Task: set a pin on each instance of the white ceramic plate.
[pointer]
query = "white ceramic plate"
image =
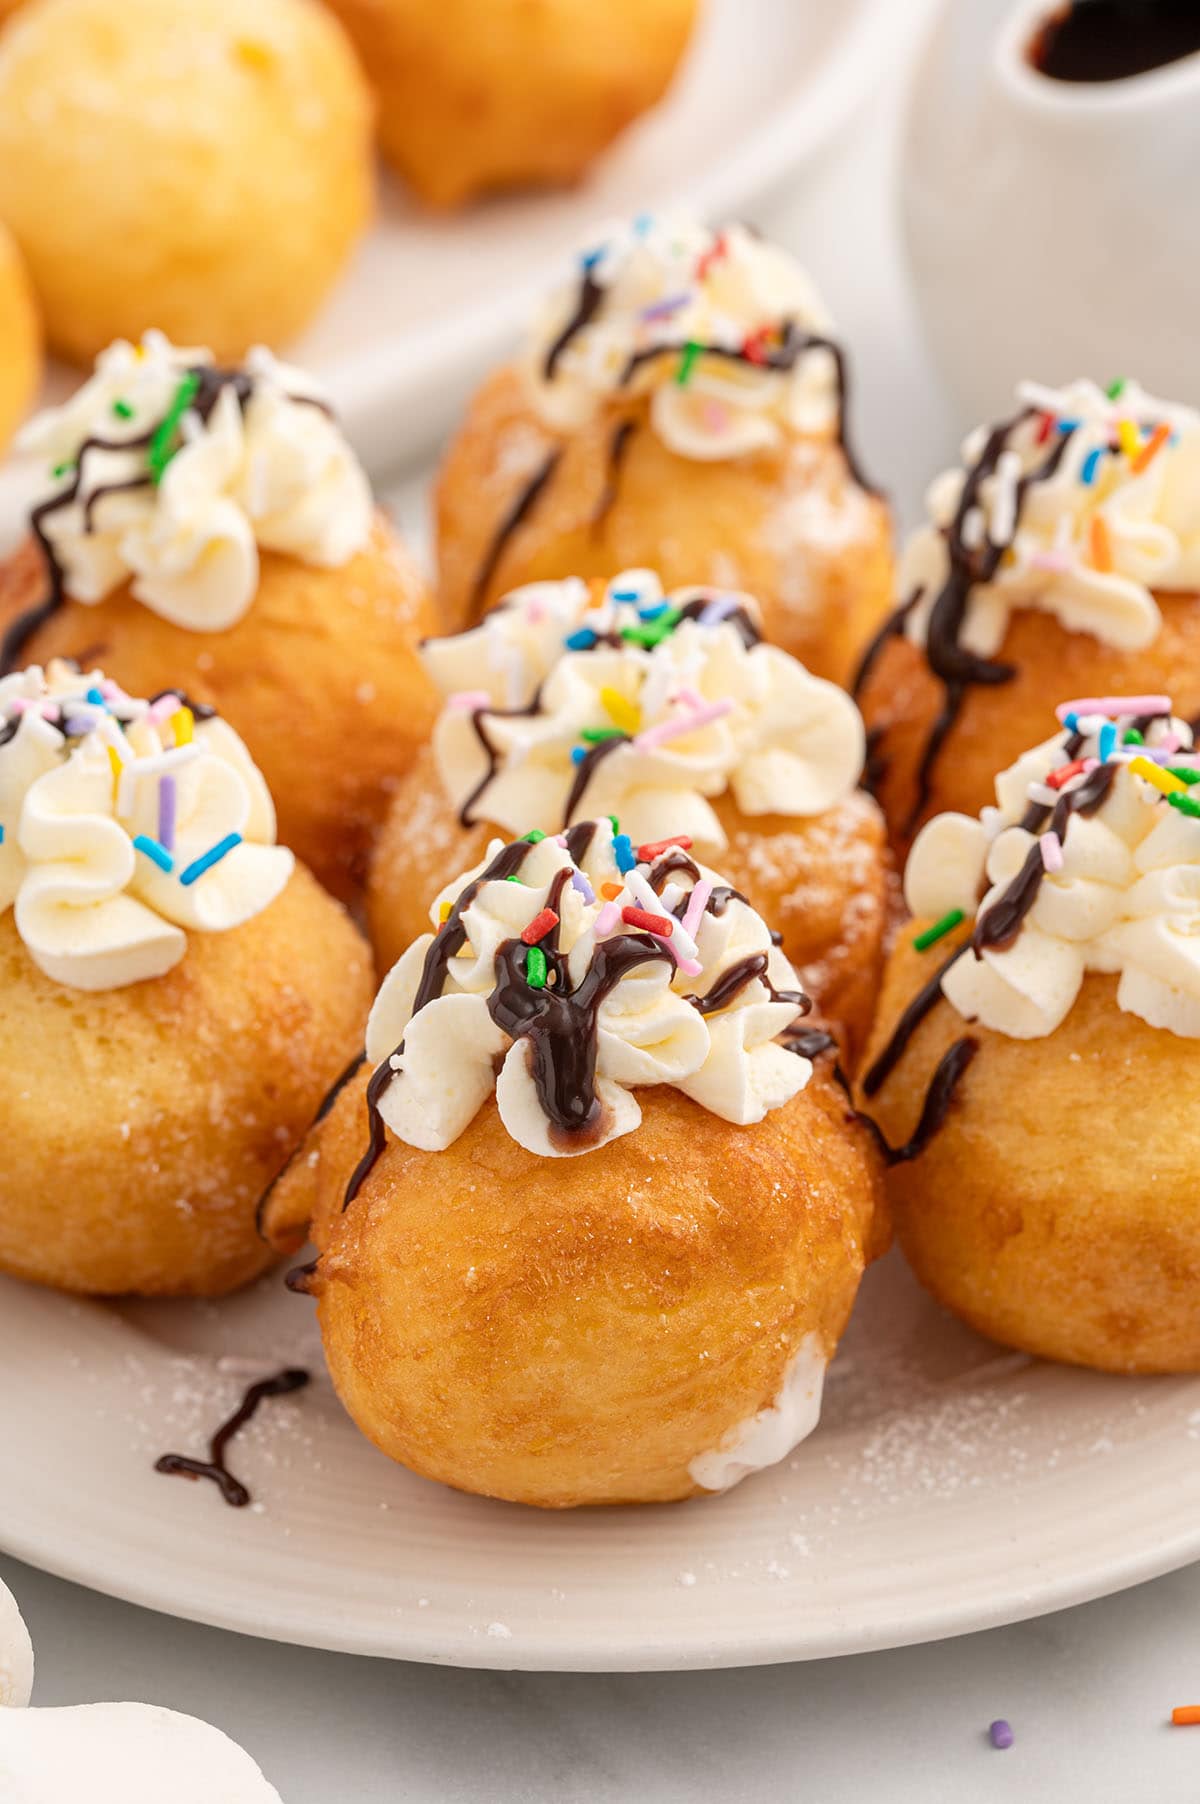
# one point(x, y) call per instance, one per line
point(950, 1487)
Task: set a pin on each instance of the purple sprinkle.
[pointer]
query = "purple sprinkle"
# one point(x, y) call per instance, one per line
point(718, 610)
point(166, 812)
point(1001, 1733)
point(79, 725)
point(581, 883)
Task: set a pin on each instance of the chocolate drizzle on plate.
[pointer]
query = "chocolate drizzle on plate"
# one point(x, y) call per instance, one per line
point(180, 1465)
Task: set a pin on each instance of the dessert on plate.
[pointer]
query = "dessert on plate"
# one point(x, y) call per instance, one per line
point(20, 338)
point(669, 712)
point(178, 992)
point(203, 168)
point(597, 1229)
point(109, 1753)
point(475, 97)
point(1063, 557)
point(212, 527)
point(1048, 988)
point(681, 404)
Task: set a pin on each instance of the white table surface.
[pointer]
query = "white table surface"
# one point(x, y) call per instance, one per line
point(1088, 1691)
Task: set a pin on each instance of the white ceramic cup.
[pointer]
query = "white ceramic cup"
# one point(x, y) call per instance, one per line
point(1050, 224)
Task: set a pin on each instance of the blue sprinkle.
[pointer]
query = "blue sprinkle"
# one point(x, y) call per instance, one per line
point(577, 754)
point(154, 852)
point(1087, 474)
point(642, 223)
point(1071, 722)
point(1065, 426)
point(581, 640)
point(624, 595)
point(94, 695)
point(590, 259)
point(652, 613)
point(1108, 741)
point(624, 853)
point(207, 859)
point(1, 834)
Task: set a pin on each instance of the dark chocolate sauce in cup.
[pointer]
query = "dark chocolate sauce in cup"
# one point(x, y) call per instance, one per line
point(1110, 40)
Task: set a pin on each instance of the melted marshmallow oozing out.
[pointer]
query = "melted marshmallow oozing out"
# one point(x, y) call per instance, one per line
point(448, 1057)
point(1116, 520)
point(663, 284)
point(704, 711)
point(1118, 891)
point(262, 466)
point(125, 825)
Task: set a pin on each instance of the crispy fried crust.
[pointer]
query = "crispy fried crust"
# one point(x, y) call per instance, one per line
point(475, 96)
point(824, 883)
point(320, 677)
point(139, 1126)
point(20, 339)
point(203, 168)
point(560, 1333)
point(792, 528)
point(901, 701)
point(1056, 1209)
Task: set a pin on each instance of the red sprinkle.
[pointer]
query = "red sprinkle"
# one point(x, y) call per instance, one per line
point(710, 256)
point(1064, 773)
point(1045, 428)
point(754, 346)
point(656, 847)
point(540, 926)
point(661, 925)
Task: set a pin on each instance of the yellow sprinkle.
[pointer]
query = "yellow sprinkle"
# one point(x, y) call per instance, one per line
point(1129, 438)
point(254, 55)
point(621, 711)
point(445, 909)
point(114, 758)
point(1162, 780)
point(182, 723)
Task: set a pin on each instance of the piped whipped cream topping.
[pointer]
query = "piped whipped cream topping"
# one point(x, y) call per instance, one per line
point(1086, 503)
point(124, 824)
point(766, 1438)
point(642, 706)
point(123, 1754)
point(567, 973)
point(1090, 861)
point(713, 326)
point(173, 473)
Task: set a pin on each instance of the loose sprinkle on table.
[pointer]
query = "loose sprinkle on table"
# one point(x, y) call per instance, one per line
point(1000, 1733)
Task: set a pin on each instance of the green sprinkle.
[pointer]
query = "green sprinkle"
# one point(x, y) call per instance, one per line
point(62, 469)
point(595, 735)
point(534, 836)
point(1132, 737)
point(616, 825)
point(1185, 804)
point(652, 632)
point(687, 362)
point(512, 880)
point(123, 410)
point(1114, 388)
point(160, 452)
point(941, 928)
point(535, 968)
point(1183, 773)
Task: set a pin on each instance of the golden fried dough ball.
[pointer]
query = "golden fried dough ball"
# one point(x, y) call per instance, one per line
point(1053, 1210)
point(824, 881)
point(20, 338)
point(320, 677)
point(479, 95)
point(901, 701)
point(204, 168)
point(561, 1333)
point(141, 1125)
point(790, 526)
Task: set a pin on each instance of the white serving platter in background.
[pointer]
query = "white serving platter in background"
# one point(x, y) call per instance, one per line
point(951, 1486)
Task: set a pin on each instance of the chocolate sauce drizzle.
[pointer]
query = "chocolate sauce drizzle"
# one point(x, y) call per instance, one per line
point(180, 1465)
point(516, 516)
point(586, 769)
point(730, 984)
point(479, 719)
point(921, 1005)
point(210, 381)
point(936, 1106)
point(331, 1095)
point(618, 445)
point(999, 925)
point(956, 668)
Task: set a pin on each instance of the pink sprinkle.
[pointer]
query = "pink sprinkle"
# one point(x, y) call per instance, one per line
point(1050, 560)
point(163, 708)
point(691, 967)
point(534, 610)
point(1052, 852)
point(697, 903)
point(691, 698)
point(27, 704)
point(716, 417)
point(681, 724)
point(607, 921)
point(466, 701)
point(1170, 742)
point(1115, 705)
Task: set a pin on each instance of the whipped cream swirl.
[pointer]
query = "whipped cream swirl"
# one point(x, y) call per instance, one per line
point(172, 473)
point(714, 326)
point(1093, 500)
point(123, 824)
point(1090, 861)
point(564, 980)
point(643, 706)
